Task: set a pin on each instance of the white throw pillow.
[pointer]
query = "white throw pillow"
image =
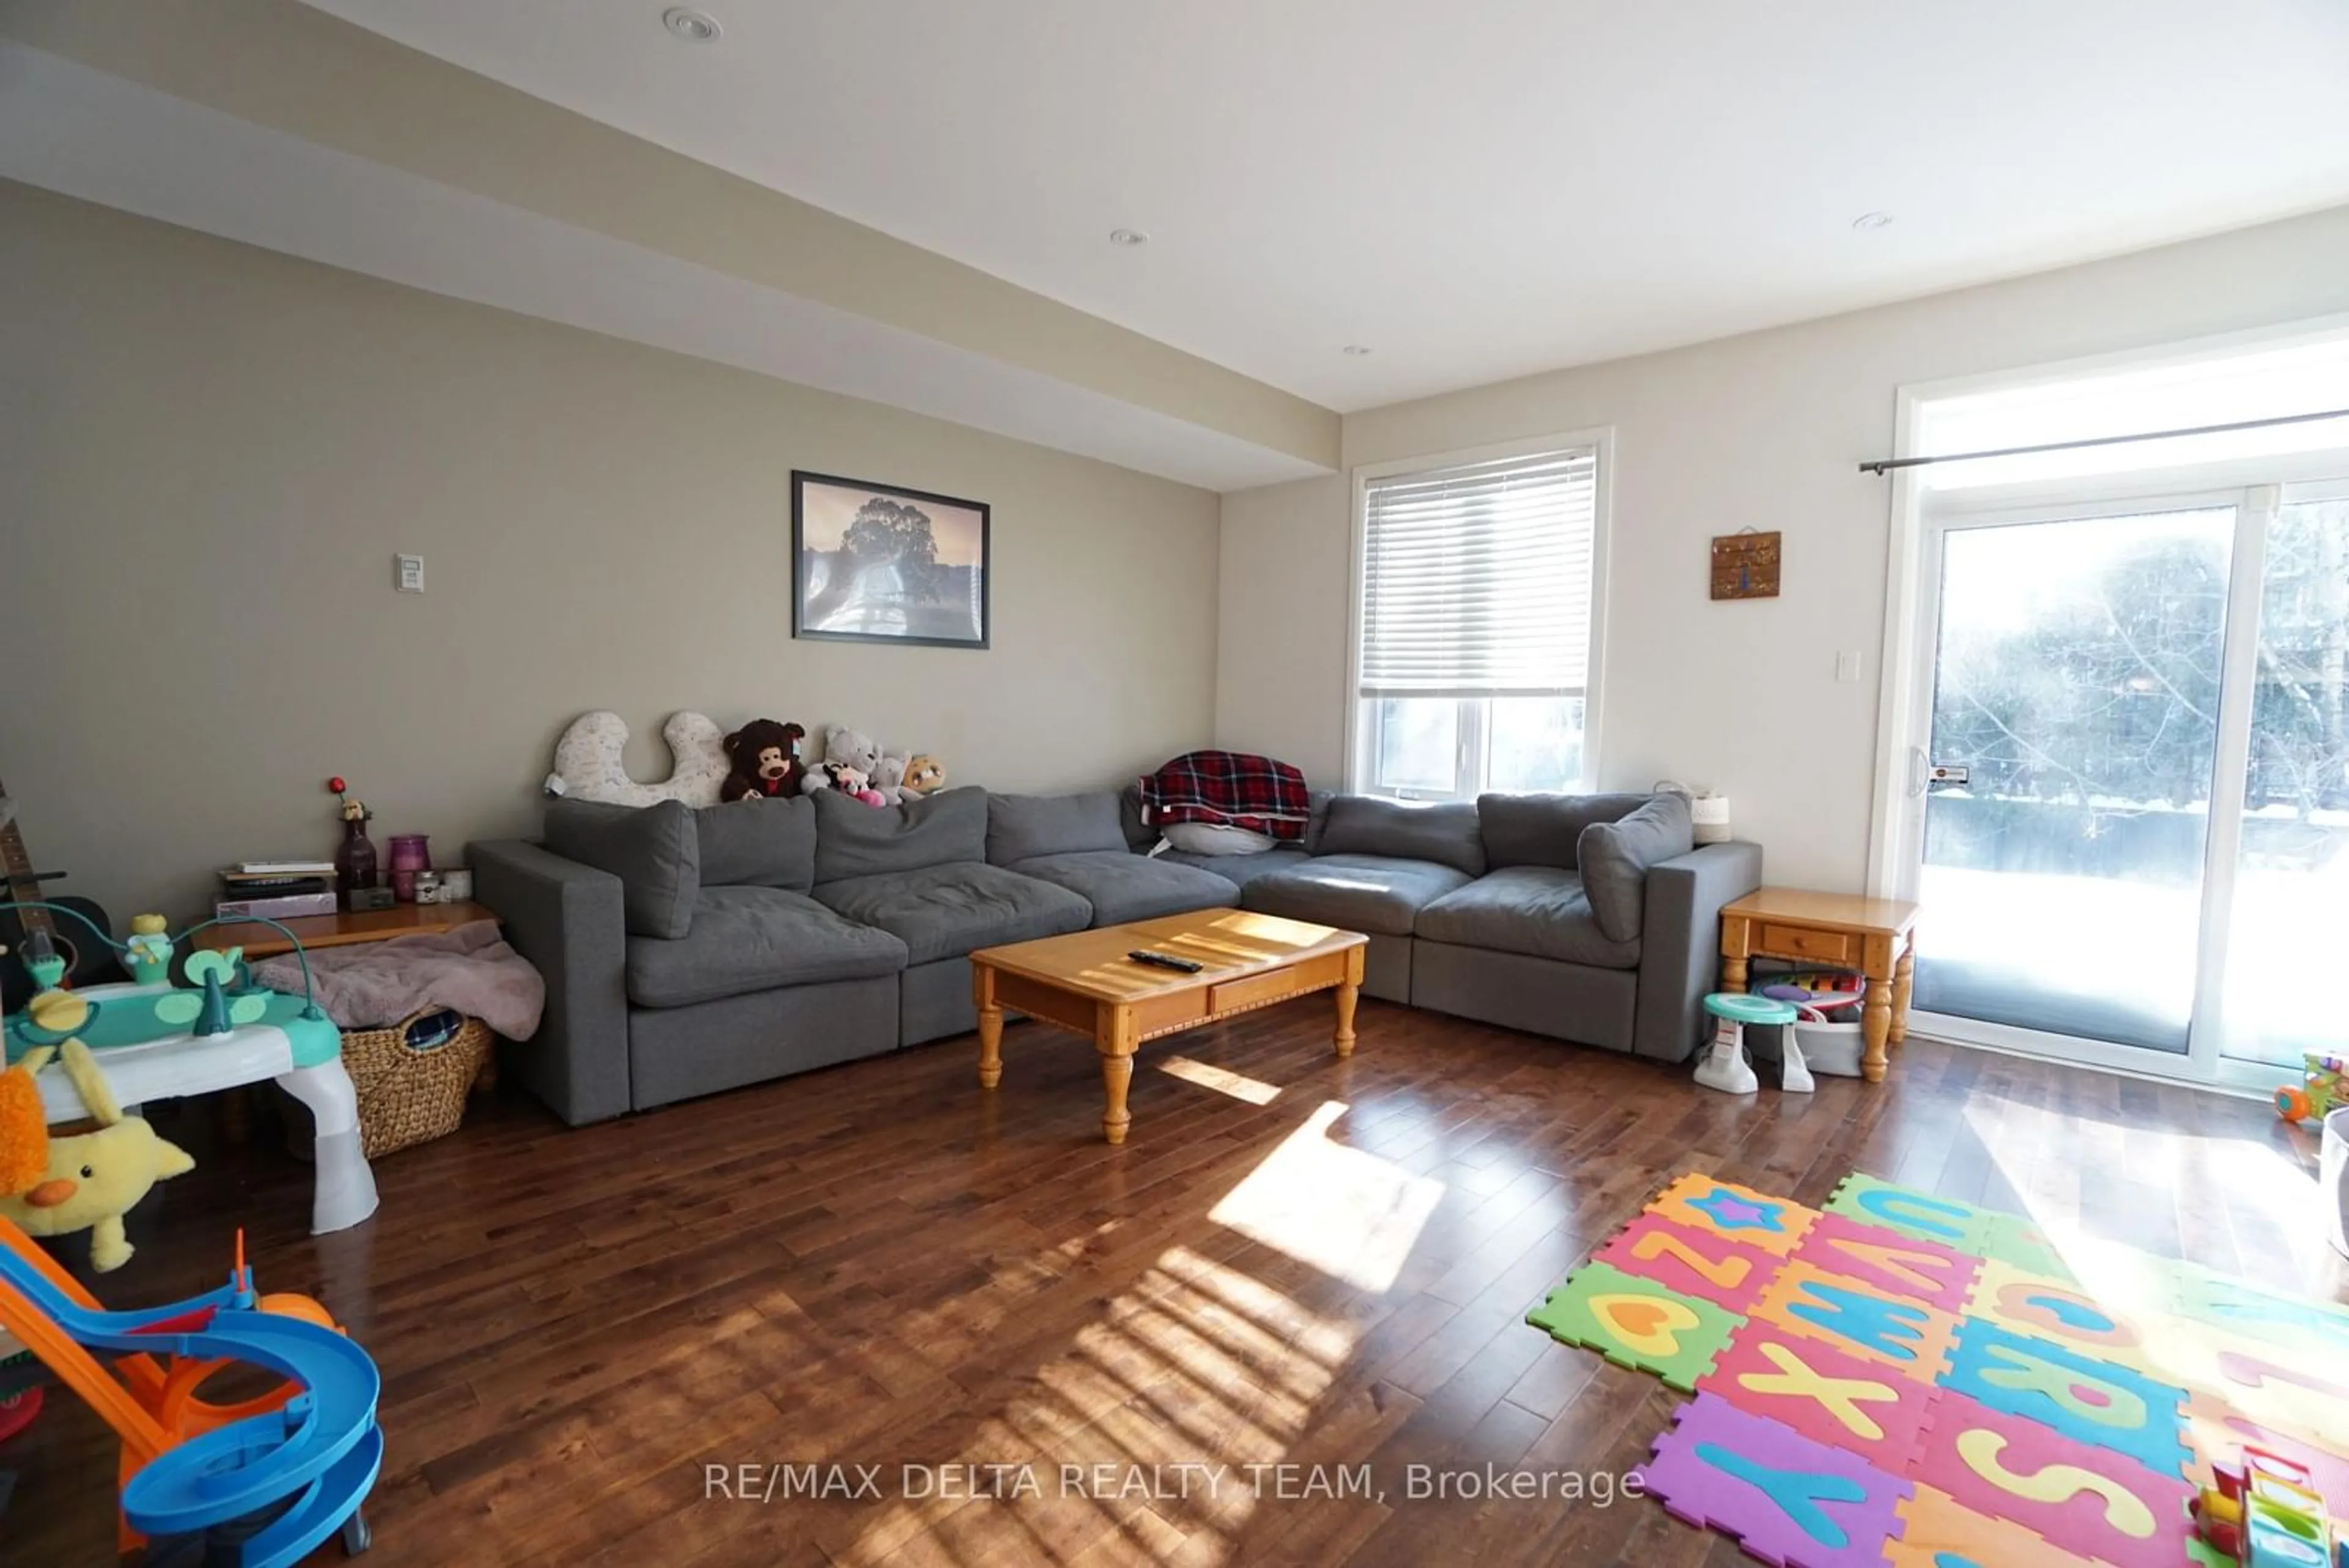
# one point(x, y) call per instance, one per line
point(1214, 838)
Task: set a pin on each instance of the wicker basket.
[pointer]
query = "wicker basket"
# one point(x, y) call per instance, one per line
point(410, 1095)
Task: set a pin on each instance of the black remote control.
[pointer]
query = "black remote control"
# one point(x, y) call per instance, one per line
point(1164, 960)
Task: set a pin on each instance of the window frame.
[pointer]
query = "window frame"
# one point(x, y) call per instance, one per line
point(1362, 737)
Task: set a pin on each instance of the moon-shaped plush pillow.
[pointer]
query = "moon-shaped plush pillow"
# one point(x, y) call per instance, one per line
point(588, 764)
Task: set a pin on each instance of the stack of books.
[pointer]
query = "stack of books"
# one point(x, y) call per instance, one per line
point(276, 890)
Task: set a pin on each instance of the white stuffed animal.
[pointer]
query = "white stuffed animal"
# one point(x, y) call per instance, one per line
point(885, 772)
point(588, 762)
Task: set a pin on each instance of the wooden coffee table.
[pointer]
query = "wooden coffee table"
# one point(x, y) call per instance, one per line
point(1084, 982)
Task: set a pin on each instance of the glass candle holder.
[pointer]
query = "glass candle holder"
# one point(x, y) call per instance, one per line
point(410, 853)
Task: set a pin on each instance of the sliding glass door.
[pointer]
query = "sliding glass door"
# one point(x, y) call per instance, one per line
point(2290, 896)
point(2131, 830)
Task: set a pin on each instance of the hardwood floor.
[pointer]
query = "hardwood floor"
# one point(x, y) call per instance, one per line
point(878, 1265)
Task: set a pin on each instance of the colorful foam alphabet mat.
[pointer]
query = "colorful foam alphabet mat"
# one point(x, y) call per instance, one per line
point(1902, 1379)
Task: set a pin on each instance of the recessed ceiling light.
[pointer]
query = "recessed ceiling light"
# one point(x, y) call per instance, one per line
point(1128, 237)
point(1356, 350)
point(694, 26)
point(1867, 221)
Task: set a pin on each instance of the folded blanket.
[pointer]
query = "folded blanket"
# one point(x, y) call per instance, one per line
point(470, 969)
point(1230, 789)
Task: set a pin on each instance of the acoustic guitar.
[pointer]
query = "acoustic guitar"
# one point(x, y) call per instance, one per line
point(87, 960)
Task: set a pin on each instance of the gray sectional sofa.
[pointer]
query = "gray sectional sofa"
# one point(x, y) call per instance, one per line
point(690, 951)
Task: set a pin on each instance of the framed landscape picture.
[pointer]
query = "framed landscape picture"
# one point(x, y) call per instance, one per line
point(873, 562)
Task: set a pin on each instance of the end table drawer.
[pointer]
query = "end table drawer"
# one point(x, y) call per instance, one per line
point(1802, 942)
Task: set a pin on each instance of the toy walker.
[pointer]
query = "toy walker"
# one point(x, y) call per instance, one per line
point(158, 1041)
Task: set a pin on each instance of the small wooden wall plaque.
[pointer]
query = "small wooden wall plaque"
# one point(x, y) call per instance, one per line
point(1746, 566)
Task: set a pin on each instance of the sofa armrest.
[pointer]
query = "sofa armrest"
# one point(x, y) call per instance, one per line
point(1680, 943)
point(565, 919)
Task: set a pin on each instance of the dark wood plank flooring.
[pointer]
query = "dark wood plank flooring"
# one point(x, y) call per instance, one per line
point(879, 1265)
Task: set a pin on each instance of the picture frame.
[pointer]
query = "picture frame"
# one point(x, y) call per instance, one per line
point(1745, 564)
point(883, 563)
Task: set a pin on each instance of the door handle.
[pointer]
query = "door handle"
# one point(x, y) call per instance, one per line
point(1920, 771)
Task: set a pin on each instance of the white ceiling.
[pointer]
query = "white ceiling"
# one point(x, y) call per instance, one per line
point(1476, 189)
point(98, 137)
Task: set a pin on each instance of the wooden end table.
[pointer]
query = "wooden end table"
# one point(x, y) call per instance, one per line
point(1084, 983)
point(1877, 937)
point(340, 930)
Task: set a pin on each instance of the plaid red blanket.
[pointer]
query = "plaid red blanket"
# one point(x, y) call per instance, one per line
point(1228, 788)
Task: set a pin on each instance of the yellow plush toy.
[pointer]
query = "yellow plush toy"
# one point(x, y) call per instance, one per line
point(924, 773)
point(92, 1179)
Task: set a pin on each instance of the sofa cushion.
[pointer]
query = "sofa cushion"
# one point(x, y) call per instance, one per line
point(1537, 910)
point(1238, 869)
point(945, 911)
point(1543, 829)
point(1615, 858)
point(652, 849)
point(755, 939)
point(853, 839)
point(1375, 894)
point(1445, 833)
point(1023, 827)
point(758, 842)
point(1122, 886)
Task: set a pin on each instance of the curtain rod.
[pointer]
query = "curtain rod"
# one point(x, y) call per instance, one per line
point(1886, 465)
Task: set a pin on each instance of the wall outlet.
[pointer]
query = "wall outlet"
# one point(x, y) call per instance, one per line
point(409, 578)
point(1847, 665)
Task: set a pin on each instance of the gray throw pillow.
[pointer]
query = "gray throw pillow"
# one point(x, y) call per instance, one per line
point(652, 849)
point(1544, 829)
point(1443, 832)
point(853, 839)
point(1615, 858)
point(1022, 827)
point(759, 841)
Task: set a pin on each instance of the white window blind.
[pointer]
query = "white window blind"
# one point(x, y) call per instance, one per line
point(1476, 580)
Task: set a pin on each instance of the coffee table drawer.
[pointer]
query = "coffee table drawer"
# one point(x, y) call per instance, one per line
point(1252, 991)
point(1802, 942)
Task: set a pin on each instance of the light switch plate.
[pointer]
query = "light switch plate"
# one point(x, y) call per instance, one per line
point(410, 575)
point(1847, 664)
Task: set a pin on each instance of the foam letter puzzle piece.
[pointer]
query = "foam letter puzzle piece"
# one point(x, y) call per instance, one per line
point(1910, 1338)
point(1788, 1500)
point(1892, 1263)
point(2047, 1309)
point(2217, 1430)
point(2273, 1383)
point(1693, 1263)
point(1734, 1213)
point(2242, 1309)
point(1873, 1201)
point(2090, 1501)
point(2088, 1400)
point(2012, 1238)
point(1819, 1391)
point(1637, 1322)
point(1936, 1531)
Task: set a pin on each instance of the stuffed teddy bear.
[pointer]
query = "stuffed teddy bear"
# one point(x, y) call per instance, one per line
point(765, 757)
point(90, 1180)
point(924, 773)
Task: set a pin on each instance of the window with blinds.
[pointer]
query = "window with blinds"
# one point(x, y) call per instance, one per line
point(1475, 623)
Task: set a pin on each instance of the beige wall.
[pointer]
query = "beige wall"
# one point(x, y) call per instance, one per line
point(1759, 431)
point(1282, 693)
point(209, 455)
